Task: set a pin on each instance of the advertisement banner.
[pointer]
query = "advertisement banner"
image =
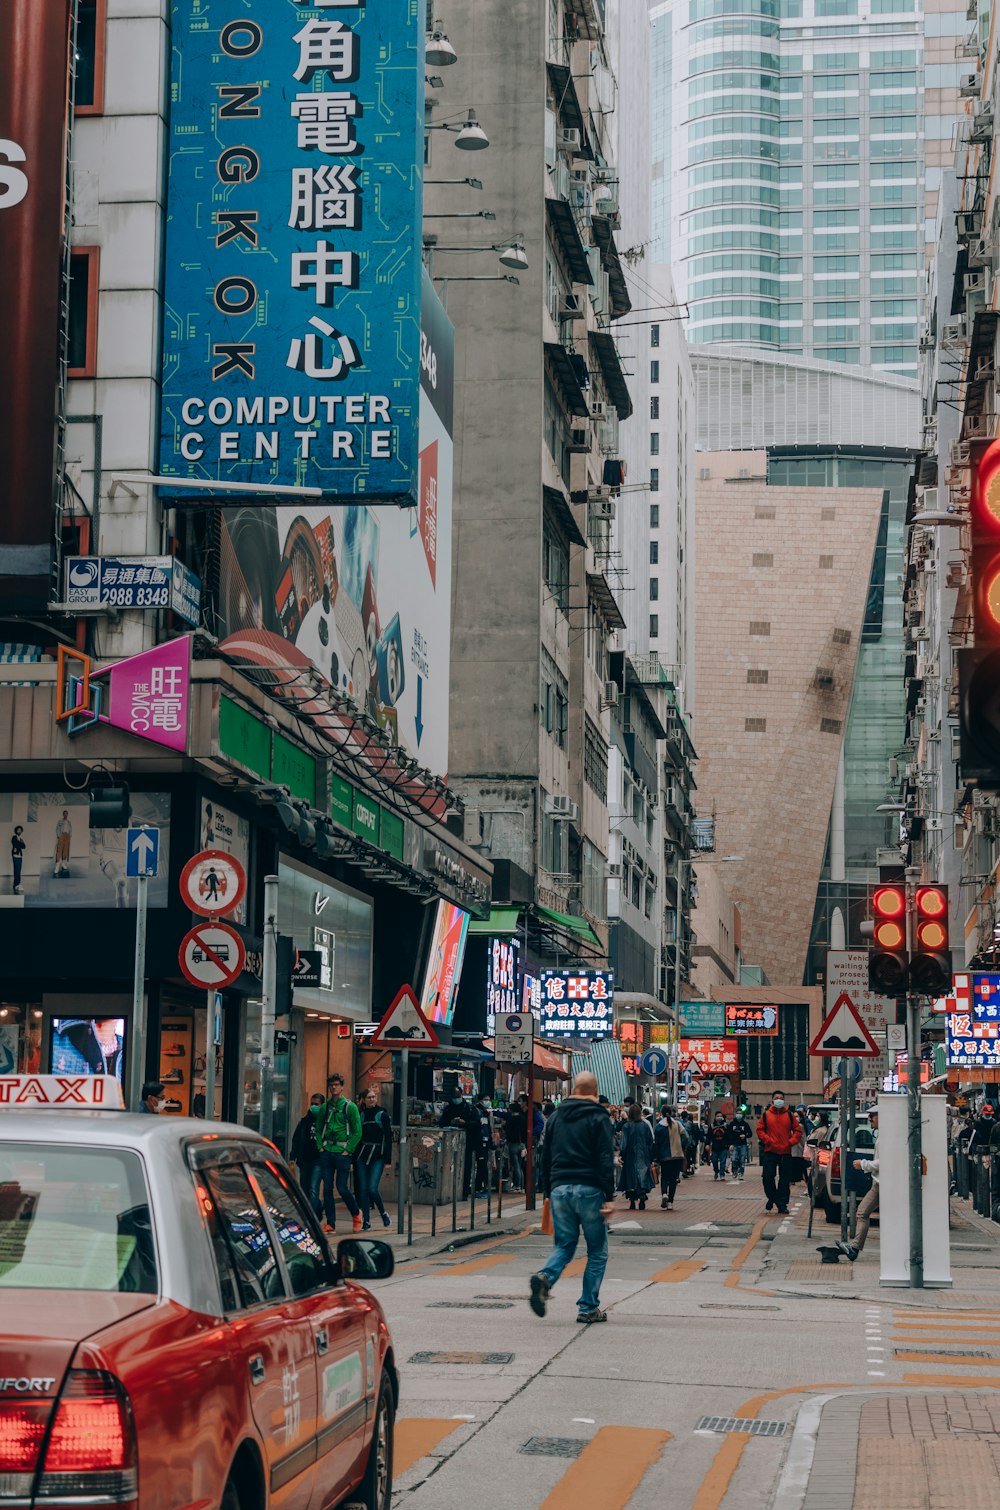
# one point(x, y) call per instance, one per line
point(501, 980)
point(970, 1041)
point(291, 339)
point(147, 695)
point(133, 582)
point(34, 108)
point(60, 861)
point(746, 1021)
point(364, 596)
point(701, 1017)
point(444, 963)
point(710, 1056)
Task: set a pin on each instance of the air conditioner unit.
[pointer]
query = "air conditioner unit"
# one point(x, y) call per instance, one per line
point(614, 872)
point(956, 574)
point(982, 124)
point(605, 508)
point(975, 426)
point(979, 253)
point(563, 807)
point(579, 438)
point(580, 176)
point(968, 86)
point(928, 500)
point(969, 223)
point(959, 453)
point(569, 140)
point(984, 368)
point(974, 283)
point(935, 825)
point(610, 694)
point(953, 332)
point(598, 409)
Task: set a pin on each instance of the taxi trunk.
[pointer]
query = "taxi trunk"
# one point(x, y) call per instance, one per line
point(66, 1432)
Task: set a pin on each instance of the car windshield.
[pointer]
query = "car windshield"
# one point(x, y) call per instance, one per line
point(74, 1219)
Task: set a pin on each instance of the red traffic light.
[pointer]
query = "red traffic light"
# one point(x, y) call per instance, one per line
point(986, 492)
point(889, 902)
point(932, 902)
point(889, 934)
point(932, 935)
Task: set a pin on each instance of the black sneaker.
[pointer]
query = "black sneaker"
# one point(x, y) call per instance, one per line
point(769, 1206)
point(589, 1317)
point(848, 1249)
point(782, 1210)
point(539, 1293)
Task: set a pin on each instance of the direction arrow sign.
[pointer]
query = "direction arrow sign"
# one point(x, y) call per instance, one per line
point(403, 1024)
point(212, 955)
point(142, 851)
point(213, 883)
point(307, 967)
point(843, 1033)
point(654, 1062)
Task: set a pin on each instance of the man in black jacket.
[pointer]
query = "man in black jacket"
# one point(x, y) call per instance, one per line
point(578, 1176)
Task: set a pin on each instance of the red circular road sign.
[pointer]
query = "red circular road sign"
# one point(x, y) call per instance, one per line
point(212, 955)
point(213, 883)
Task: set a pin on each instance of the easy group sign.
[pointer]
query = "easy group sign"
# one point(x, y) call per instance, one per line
point(291, 343)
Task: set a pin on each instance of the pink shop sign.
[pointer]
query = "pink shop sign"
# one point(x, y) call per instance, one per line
point(148, 694)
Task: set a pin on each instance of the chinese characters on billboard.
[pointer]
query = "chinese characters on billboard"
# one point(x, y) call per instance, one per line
point(746, 1021)
point(501, 980)
point(292, 328)
point(577, 1002)
point(986, 997)
point(969, 1041)
point(710, 1056)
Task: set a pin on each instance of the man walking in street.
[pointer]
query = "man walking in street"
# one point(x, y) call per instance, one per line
point(868, 1204)
point(338, 1133)
point(778, 1131)
point(740, 1135)
point(578, 1176)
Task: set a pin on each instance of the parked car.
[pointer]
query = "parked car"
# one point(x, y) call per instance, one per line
point(827, 1172)
point(174, 1330)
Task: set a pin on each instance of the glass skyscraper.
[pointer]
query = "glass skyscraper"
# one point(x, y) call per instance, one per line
point(789, 172)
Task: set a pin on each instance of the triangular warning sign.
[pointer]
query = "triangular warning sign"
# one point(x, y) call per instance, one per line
point(693, 1065)
point(844, 1034)
point(403, 1024)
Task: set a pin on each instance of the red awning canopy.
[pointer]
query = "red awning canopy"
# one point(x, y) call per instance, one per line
point(551, 1063)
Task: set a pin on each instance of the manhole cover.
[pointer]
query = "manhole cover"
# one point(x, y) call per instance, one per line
point(470, 1305)
point(737, 1423)
point(508, 1296)
point(553, 1447)
point(718, 1305)
point(486, 1358)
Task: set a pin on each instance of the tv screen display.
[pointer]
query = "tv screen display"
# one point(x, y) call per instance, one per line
point(88, 1046)
point(444, 963)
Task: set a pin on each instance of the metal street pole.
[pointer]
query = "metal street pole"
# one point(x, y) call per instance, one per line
point(137, 1059)
point(404, 1164)
point(914, 1142)
point(268, 1005)
point(844, 1146)
point(529, 1163)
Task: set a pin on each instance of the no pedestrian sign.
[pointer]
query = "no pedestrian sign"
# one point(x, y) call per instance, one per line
point(213, 883)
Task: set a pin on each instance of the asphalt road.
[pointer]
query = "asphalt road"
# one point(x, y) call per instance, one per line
point(501, 1409)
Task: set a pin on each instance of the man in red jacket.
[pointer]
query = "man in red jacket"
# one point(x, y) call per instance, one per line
point(778, 1131)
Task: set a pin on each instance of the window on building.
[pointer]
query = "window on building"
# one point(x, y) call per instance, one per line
point(654, 335)
point(595, 760)
point(654, 443)
point(654, 516)
point(554, 842)
point(654, 480)
point(555, 567)
point(755, 725)
point(81, 335)
point(758, 677)
point(654, 589)
point(654, 626)
point(654, 406)
point(654, 372)
point(553, 703)
point(635, 888)
point(654, 552)
point(826, 563)
point(595, 881)
point(91, 26)
point(760, 627)
point(650, 898)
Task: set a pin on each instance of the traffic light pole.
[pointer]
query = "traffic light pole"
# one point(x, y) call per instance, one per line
point(914, 1142)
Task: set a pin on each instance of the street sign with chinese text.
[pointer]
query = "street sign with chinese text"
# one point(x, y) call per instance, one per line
point(291, 336)
point(986, 998)
point(133, 582)
point(710, 1056)
point(578, 1002)
point(744, 1020)
point(502, 993)
point(703, 1017)
point(515, 1038)
point(847, 970)
point(969, 1041)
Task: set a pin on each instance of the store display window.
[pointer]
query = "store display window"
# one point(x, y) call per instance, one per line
point(20, 1038)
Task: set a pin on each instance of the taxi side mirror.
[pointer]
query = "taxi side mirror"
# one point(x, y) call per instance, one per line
point(364, 1259)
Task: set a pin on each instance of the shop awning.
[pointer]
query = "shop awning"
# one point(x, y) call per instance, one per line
point(571, 923)
point(501, 923)
point(551, 1064)
point(604, 1059)
point(563, 514)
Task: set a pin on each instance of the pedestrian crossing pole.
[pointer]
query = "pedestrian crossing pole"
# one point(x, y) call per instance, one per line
point(914, 1141)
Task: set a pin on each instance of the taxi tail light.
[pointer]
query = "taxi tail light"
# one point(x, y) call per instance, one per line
point(823, 1157)
point(91, 1450)
point(835, 1164)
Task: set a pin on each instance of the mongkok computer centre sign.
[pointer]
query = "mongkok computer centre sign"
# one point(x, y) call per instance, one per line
point(291, 343)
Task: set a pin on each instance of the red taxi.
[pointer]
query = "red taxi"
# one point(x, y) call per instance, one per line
point(174, 1332)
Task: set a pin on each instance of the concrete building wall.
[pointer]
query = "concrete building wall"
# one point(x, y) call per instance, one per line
point(782, 583)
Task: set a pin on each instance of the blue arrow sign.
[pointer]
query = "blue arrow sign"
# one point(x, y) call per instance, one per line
point(419, 720)
point(142, 851)
point(654, 1062)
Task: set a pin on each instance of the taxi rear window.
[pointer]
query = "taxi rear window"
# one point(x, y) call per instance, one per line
point(74, 1219)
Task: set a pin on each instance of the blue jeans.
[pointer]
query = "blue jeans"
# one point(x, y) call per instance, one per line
point(369, 1176)
point(577, 1208)
point(739, 1158)
point(720, 1157)
point(336, 1165)
point(310, 1176)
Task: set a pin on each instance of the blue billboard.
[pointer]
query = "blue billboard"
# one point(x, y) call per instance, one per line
point(291, 332)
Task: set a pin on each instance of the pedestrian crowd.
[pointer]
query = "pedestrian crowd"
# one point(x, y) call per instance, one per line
point(341, 1147)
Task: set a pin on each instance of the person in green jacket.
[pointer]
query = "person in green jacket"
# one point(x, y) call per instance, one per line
point(338, 1133)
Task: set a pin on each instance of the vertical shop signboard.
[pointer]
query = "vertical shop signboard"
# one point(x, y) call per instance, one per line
point(291, 341)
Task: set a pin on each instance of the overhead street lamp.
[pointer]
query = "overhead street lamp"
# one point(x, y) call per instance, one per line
point(469, 136)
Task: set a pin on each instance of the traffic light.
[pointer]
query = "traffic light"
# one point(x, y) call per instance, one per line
point(887, 956)
point(109, 807)
point(930, 964)
point(979, 666)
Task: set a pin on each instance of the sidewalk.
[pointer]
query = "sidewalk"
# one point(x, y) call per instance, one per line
point(425, 1243)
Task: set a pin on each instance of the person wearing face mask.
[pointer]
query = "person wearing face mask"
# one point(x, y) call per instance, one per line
point(305, 1153)
point(778, 1132)
point(373, 1154)
point(152, 1098)
point(718, 1142)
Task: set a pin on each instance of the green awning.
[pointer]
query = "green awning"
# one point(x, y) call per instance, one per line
point(501, 923)
point(572, 924)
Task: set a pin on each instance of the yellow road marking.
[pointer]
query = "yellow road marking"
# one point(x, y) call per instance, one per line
point(946, 1317)
point(938, 1358)
point(936, 1334)
point(715, 1485)
point(609, 1469)
point(674, 1273)
point(575, 1269)
point(987, 1381)
point(415, 1436)
point(733, 1277)
point(476, 1265)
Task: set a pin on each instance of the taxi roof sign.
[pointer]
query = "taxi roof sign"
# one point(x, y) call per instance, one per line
point(27, 1092)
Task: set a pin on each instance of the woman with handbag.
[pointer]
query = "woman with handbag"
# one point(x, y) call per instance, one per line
point(670, 1156)
point(637, 1154)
